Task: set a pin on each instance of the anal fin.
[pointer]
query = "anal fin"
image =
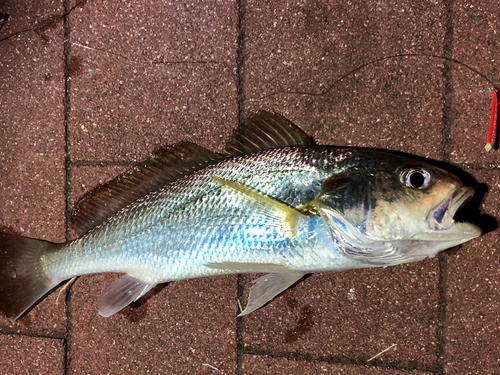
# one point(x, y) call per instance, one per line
point(120, 294)
point(267, 287)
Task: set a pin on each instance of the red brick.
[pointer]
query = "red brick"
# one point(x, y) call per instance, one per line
point(31, 355)
point(356, 314)
point(270, 366)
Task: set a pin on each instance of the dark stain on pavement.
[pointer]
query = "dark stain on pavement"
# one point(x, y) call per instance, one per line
point(76, 65)
point(303, 325)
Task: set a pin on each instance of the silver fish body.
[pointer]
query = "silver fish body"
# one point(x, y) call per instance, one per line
point(273, 204)
point(173, 233)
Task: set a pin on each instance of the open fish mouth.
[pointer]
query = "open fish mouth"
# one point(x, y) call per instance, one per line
point(441, 218)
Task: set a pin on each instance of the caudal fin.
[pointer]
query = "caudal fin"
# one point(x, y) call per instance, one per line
point(22, 280)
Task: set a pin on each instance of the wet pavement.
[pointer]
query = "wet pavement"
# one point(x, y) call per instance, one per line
point(88, 88)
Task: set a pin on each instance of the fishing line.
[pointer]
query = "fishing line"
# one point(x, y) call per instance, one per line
point(372, 62)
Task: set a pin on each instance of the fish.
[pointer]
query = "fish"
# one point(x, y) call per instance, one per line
point(273, 202)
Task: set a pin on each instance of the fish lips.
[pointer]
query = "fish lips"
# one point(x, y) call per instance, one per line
point(441, 223)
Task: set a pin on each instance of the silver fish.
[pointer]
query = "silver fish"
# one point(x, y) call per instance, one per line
point(272, 203)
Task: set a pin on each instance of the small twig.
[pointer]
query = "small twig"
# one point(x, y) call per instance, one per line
point(81, 45)
point(38, 28)
point(239, 305)
point(383, 351)
point(212, 367)
point(64, 288)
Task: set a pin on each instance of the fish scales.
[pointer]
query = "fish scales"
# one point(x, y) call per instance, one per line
point(171, 233)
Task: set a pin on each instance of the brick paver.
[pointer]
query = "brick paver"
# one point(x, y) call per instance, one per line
point(88, 88)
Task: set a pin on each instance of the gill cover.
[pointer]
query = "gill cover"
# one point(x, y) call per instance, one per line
point(346, 204)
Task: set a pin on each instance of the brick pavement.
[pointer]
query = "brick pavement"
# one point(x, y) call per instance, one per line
point(90, 87)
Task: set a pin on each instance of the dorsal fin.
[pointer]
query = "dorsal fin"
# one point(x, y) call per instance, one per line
point(264, 131)
point(162, 167)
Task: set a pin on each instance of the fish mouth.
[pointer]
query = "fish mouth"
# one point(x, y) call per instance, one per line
point(441, 219)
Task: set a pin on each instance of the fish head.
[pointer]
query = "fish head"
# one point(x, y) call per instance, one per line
point(395, 210)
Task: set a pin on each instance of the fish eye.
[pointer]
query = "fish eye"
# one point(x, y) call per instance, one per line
point(415, 178)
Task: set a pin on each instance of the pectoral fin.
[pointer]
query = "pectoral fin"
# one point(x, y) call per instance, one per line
point(267, 287)
point(120, 294)
point(291, 217)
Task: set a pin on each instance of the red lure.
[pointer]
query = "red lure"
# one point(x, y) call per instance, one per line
point(492, 120)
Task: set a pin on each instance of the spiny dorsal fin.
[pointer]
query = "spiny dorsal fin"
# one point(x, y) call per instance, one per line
point(265, 131)
point(162, 167)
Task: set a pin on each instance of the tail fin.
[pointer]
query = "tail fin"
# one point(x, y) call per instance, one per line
point(22, 279)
